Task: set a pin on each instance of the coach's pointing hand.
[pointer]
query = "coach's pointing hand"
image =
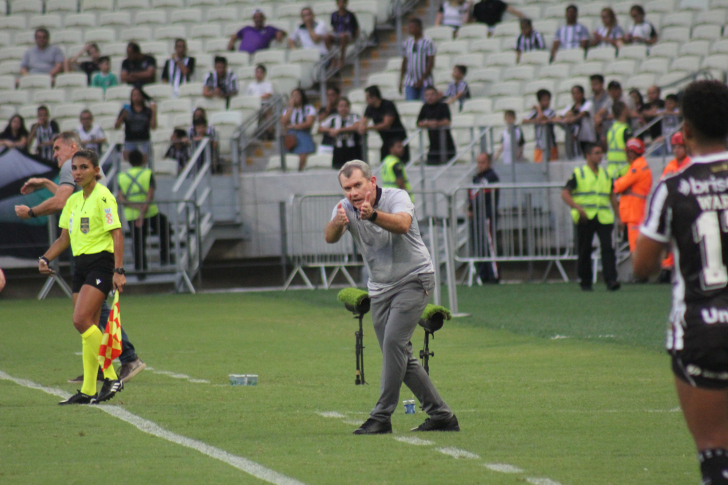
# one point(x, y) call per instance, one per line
point(341, 218)
point(365, 211)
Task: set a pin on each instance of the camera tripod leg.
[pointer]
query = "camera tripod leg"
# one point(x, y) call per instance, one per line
point(359, 353)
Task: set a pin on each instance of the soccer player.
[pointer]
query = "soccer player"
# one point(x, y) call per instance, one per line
point(383, 224)
point(90, 225)
point(690, 210)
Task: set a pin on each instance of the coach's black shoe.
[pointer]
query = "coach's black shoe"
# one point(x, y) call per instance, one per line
point(614, 286)
point(448, 424)
point(109, 390)
point(372, 426)
point(78, 398)
point(79, 379)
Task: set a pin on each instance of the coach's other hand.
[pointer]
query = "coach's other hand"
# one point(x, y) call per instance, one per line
point(365, 211)
point(341, 219)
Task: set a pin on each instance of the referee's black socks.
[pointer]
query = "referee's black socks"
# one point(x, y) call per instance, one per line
point(714, 466)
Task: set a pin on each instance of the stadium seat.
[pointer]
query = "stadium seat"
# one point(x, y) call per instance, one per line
point(27, 7)
point(218, 45)
point(554, 11)
point(677, 19)
point(12, 53)
point(485, 45)
point(5, 39)
point(108, 108)
point(472, 61)
point(535, 58)
point(714, 4)
point(68, 36)
point(505, 88)
point(685, 63)
point(453, 47)
point(51, 21)
point(507, 29)
point(555, 71)
point(716, 61)
point(439, 33)
point(657, 65)
point(205, 31)
point(100, 36)
point(245, 103)
point(246, 13)
point(637, 51)
point(572, 56)
point(625, 67)
point(114, 49)
point(150, 18)
point(222, 14)
point(508, 102)
point(13, 22)
point(35, 81)
point(319, 161)
point(180, 120)
point(88, 94)
point(533, 86)
point(61, 6)
point(565, 85)
point(293, 72)
point(641, 81)
point(106, 122)
point(386, 79)
point(49, 96)
point(357, 96)
point(588, 68)
point(671, 77)
point(28, 112)
point(274, 162)
point(119, 93)
point(67, 124)
point(664, 49)
point(132, 4)
point(15, 97)
point(168, 4)
point(268, 57)
point(501, 59)
point(136, 34)
point(695, 48)
point(7, 83)
point(547, 27)
point(81, 20)
point(97, 6)
point(159, 49)
point(664, 6)
point(246, 74)
point(115, 20)
point(708, 32)
point(677, 34)
point(601, 54)
point(193, 89)
point(521, 73)
point(68, 110)
point(11, 67)
point(25, 39)
point(719, 47)
point(71, 80)
point(159, 91)
point(692, 4)
point(472, 31)
point(713, 16)
point(203, 3)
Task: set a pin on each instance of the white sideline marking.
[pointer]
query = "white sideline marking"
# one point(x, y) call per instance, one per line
point(250, 467)
point(502, 468)
point(352, 422)
point(542, 481)
point(414, 441)
point(458, 453)
point(559, 337)
point(331, 414)
point(175, 375)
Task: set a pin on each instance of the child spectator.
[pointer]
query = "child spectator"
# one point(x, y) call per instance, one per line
point(506, 149)
point(179, 149)
point(201, 131)
point(91, 134)
point(344, 29)
point(541, 116)
point(642, 32)
point(671, 118)
point(44, 130)
point(529, 40)
point(342, 127)
point(104, 79)
point(458, 89)
point(260, 87)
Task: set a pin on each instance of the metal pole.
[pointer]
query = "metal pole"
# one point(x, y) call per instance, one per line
point(279, 134)
point(365, 147)
point(423, 187)
point(435, 260)
point(357, 71)
point(284, 238)
point(398, 25)
point(452, 293)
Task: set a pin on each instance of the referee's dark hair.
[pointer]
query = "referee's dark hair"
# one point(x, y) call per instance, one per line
point(589, 147)
point(374, 91)
point(705, 110)
point(91, 156)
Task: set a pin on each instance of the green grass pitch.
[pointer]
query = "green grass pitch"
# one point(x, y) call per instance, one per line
point(569, 387)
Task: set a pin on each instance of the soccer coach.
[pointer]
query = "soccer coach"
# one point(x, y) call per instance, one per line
point(382, 223)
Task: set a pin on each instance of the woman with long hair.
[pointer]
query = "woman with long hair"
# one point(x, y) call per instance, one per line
point(297, 120)
point(610, 33)
point(15, 134)
point(139, 117)
point(91, 227)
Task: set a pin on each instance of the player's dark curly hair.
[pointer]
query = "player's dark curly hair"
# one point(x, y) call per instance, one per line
point(705, 108)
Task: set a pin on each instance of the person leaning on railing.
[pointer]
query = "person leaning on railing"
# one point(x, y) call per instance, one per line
point(593, 204)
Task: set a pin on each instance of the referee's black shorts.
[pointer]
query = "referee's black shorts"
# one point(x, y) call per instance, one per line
point(703, 360)
point(96, 270)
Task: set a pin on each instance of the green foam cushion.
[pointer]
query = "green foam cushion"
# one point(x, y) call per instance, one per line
point(431, 310)
point(352, 296)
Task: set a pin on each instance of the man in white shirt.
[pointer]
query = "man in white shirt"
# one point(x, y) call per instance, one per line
point(91, 134)
point(260, 87)
point(573, 35)
point(310, 34)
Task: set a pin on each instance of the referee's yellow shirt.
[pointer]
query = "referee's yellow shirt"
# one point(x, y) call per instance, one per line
point(89, 221)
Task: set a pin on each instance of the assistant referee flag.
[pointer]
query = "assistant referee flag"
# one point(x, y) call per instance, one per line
point(111, 341)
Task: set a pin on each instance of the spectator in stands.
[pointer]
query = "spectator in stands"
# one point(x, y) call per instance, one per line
point(509, 150)
point(490, 13)
point(579, 120)
point(221, 82)
point(139, 117)
point(179, 68)
point(651, 110)
point(200, 130)
point(600, 99)
point(311, 34)
point(44, 58)
point(610, 33)
point(333, 94)
point(89, 66)
point(642, 31)
point(91, 135)
point(671, 118)
point(343, 128)
point(15, 135)
point(542, 116)
point(179, 149)
point(44, 130)
point(638, 102)
point(138, 69)
point(573, 35)
point(344, 29)
point(386, 120)
point(105, 78)
point(435, 116)
point(528, 40)
point(417, 63)
point(256, 37)
point(210, 132)
point(453, 13)
point(482, 213)
point(458, 89)
point(260, 87)
point(298, 120)
point(605, 117)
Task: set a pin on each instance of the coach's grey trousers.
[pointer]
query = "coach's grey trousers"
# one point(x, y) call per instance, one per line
point(395, 314)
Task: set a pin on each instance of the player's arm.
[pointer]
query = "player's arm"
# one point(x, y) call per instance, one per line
point(118, 237)
point(625, 182)
point(49, 206)
point(38, 183)
point(569, 200)
point(336, 227)
point(58, 246)
point(647, 256)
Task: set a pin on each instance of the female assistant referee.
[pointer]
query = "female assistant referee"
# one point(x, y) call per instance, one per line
point(90, 224)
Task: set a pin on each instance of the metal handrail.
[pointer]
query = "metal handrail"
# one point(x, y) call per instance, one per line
point(483, 132)
point(190, 165)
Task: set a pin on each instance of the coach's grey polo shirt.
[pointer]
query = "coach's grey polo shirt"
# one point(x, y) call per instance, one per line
point(65, 177)
point(389, 257)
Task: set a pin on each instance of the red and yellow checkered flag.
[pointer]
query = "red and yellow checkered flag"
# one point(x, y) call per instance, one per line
point(111, 341)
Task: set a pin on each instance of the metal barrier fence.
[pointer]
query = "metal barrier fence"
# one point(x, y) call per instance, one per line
point(512, 223)
point(308, 249)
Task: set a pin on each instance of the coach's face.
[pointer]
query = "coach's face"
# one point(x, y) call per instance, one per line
point(357, 187)
point(63, 150)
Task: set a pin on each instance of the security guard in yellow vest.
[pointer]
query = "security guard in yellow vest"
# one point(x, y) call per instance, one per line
point(593, 205)
point(393, 174)
point(617, 136)
point(136, 192)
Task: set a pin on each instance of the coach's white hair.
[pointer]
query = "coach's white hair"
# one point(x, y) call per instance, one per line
point(349, 168)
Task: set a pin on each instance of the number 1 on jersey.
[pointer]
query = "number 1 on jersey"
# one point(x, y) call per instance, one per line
point(707, 232)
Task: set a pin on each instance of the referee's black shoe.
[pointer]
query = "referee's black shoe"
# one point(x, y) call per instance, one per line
point(372, 426)
point(109, 390)
point(447, 424)
point(78, 398)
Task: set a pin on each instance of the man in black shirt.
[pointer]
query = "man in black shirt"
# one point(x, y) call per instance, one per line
point(435, 116)
point(386, 121)
point(490, 13)
point(688, 212)
point(651, 110)
point(482, 210)
point(138, 69)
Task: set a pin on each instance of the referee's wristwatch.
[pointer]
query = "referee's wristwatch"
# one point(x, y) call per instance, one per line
point(121, 271)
